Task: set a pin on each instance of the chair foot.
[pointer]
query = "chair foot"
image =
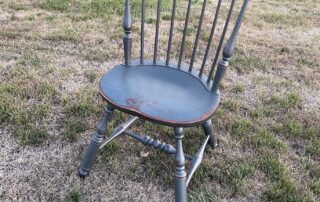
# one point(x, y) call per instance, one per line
point(180, 173)
point(94, 145)
point(208, 130)
point(82, 174)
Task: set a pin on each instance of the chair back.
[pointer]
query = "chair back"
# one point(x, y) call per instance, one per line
point(217, 16)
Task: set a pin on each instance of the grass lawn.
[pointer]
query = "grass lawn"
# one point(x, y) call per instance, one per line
point(52, 53)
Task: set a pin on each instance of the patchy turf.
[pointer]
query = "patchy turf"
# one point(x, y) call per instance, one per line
point(52, 53)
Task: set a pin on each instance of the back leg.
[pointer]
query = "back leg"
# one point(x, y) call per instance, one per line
point(208, 130)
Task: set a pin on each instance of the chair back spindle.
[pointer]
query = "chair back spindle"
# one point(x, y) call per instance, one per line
point(183, 42)
point(231, 43)
point(227, 51)
point(143, 8)
point(127, 39)
point(173, 14)
point(195, 46)
point(156, 38)
point(225, 28)
point(214, 24)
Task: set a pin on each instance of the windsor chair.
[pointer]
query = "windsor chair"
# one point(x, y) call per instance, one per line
point(164, 92)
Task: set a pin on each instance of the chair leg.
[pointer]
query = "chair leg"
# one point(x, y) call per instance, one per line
point(95, 143)
point(208, 130)
point(180, 173)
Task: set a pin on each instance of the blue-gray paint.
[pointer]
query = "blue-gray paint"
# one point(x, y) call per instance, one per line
point(95, 143)
point(166, 93)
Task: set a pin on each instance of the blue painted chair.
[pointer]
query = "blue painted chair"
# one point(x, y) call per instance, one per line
point(166, 93)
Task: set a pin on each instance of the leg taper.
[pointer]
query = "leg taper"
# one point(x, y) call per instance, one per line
point(208, 130)
point(95, 143)
point(180, 173)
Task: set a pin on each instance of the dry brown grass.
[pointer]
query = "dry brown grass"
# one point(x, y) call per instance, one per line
point(268, 122)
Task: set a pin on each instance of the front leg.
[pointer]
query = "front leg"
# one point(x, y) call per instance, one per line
point(180, 173)
point(95, 143)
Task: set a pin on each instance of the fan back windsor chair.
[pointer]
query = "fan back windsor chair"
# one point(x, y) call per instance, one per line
point(166, 93)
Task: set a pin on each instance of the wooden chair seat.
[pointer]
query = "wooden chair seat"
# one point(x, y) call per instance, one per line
point(158, 93)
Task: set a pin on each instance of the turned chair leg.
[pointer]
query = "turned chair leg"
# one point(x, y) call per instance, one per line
point(95, 143)
point(208, 130)
point(180, 173)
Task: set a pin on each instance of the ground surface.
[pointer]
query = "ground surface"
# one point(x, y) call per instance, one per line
point(52, 53)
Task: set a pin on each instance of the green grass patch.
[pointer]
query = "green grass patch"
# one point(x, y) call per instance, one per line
point(283, 190)
point(24, 104)
point(272, 166)
point(205, 36)
point(315, 187)
point(238, 88)
point(158, 166)
point(24, 122)
point(166, 16)
point(66, 34)
point(190, 30)
point(231, 105)
point(31, 18)
point(99, 55)
point(32, 59)
point(21, 114)
point(73, 195)
point(291, 100)
point(6, 107)
point(57, 5)
point(241, 128)
point(108, 152)
point(245, 64)
point(51, 18)
point(102, 8)
point(314, 172)
point(17, 7)
point(151, 20)
point(24, 90)
point(193, 140)
point(307, 62)
point(293, 128)
point(287, 20)
point(238, 174)
point(11, 34)
point(311, 132)
point(313, 148)
point(78, 110)
point(73, 128)
point(81, 108)
point(262, 111)
point(92, 75)
point(202, 175)
point(202, 195)
point(266, 140)
point(78, 17)
point(25, 80)
point(29, 134)
point(233, 174)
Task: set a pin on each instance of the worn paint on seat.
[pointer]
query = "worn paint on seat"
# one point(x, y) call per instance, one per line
point(159, 93)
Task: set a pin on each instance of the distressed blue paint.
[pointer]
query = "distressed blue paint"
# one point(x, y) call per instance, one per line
point(161, 94)
point(166, 93)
